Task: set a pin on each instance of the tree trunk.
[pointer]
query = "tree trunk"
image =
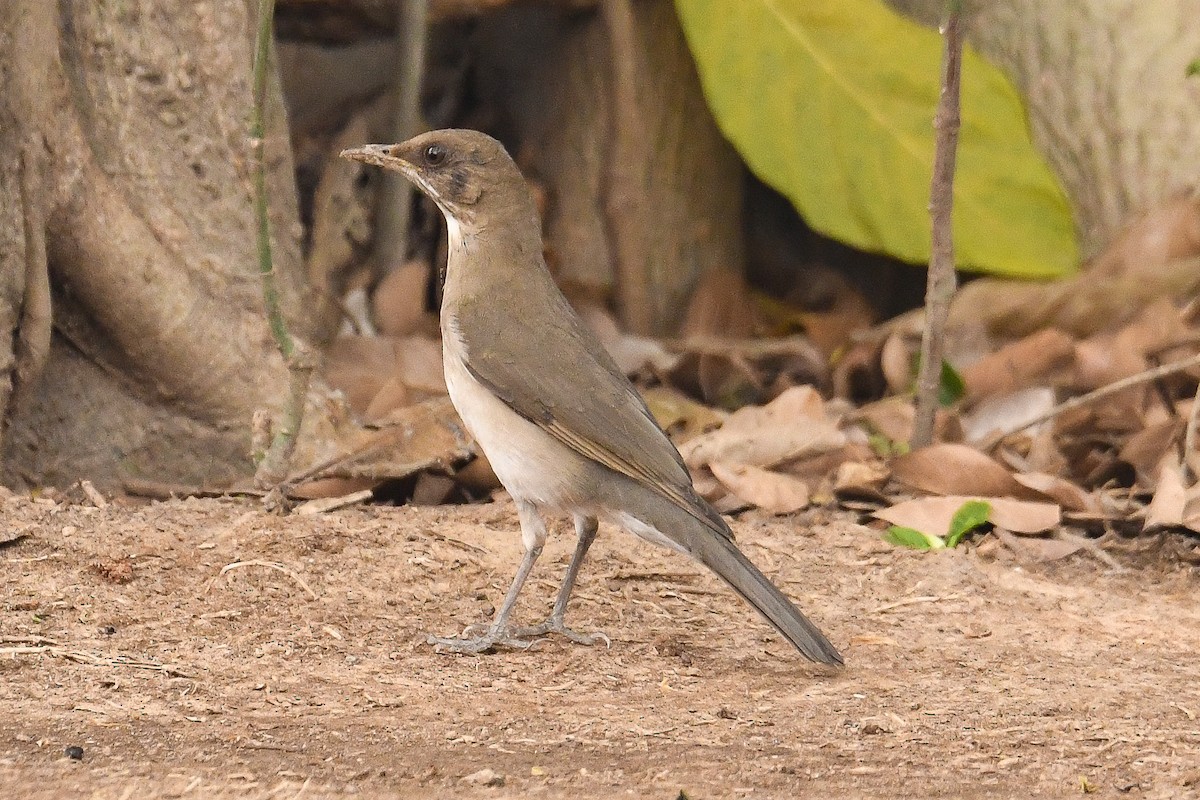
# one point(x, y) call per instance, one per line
point(643, 202)
point(127, 241)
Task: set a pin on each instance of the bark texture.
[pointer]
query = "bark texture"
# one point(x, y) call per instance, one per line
point(124, 127)
point(643, 200)
point(1110, 103)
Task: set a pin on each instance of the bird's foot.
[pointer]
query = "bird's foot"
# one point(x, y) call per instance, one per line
point(487, 640)
point(556, 625)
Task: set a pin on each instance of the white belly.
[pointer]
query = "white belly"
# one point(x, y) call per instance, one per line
point(530, 463)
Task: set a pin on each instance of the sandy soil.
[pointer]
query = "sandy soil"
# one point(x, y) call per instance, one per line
point(204, 649)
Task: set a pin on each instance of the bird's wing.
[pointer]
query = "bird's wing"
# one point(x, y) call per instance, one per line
point(571, 388)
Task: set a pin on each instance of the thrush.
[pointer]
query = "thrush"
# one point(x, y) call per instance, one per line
point(563, 428)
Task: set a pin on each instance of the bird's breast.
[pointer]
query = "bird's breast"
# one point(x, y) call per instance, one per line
point(530, 463)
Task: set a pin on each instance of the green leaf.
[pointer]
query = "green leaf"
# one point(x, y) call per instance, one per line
point(970, 516)
point(1193, 68)
point(951, 386)
point(831, 102)
point(912, 538)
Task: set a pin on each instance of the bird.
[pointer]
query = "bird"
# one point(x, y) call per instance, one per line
point(564, 430)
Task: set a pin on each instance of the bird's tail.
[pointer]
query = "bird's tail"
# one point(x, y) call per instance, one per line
point(723, 557)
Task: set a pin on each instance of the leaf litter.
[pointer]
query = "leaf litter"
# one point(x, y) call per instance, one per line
point(784, 425)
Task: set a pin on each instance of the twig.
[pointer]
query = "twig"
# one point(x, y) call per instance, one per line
point(322, 504)
point(47, 647)
point(299, 361)
point(262, 50)
point(941, 283)
point(395, 198)
point(270, 565)
point(912, 601)
point(1106, 391)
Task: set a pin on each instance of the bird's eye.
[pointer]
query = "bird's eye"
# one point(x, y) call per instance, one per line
point(434, 154)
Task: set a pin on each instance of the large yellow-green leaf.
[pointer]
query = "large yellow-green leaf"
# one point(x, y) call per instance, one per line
point(832, 103)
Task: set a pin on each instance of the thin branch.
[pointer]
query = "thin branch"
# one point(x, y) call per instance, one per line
point(300, 362)
point(1106, 391)
point(275, 565)
point(266, 268)
point(941, 283)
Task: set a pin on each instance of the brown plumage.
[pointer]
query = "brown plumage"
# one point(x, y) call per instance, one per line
point(563, 428)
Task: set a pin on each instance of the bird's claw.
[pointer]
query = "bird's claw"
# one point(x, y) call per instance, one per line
point(556, 625)
point(487, 642)
point(483, 638)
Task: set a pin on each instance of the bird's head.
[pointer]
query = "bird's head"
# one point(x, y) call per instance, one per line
point(467, 173)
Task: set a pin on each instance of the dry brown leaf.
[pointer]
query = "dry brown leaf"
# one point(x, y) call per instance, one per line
point(733, 373)
point(792, 426)
point(419, 365)
point(398, 302)
point(1166, 233)
point(891, 417)
point(631, 353)
point(1044, 455)
point(1036, 548)
point(1109, 357)
point(933, 514)
point(770, 491)
point(1006, 412)
point(1068, 495)
point(324, 488)
point(392, 394)
point(680, 415)
point(1144, 449)
point(895, 360)
point(426, 435)
point(1167, 507)
point(857, 375)
point(359, 366)
point(861, 480)
point(1020, 365)
point(955, 469)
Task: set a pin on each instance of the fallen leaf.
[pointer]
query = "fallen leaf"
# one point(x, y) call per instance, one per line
point(956, 469)
point(891, 418)
point(1164, 233)
point(770, 491)
point(1020, 365)
point(1166, 509)
point(857, 480)
point(426, 435)
point(680, 415)
point(1070, 496)
point(631, 353)
point(933, 515)
point(896, 361)
point(1032, 548)
point(1007, 412)
point(398, 301)
point(792, 426)
point(1144, 449)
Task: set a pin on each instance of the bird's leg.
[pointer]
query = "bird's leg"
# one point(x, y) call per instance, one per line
point(533, 534)
point(585, 528)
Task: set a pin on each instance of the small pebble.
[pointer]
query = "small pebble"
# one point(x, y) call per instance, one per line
point(74, 752)
point(485, 777)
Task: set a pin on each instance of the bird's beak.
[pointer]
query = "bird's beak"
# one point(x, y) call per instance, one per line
point(379, 155)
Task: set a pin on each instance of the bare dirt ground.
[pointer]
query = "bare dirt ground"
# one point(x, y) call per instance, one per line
point(303, 672)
